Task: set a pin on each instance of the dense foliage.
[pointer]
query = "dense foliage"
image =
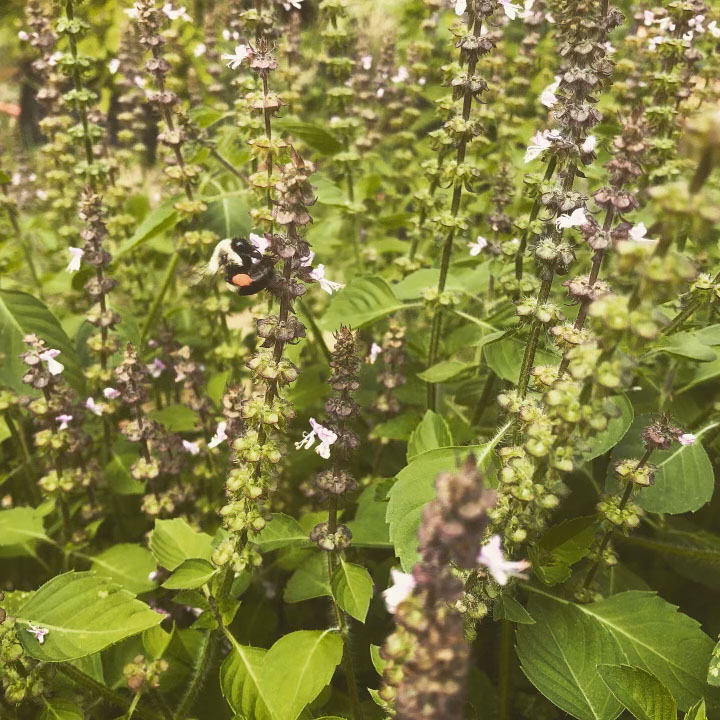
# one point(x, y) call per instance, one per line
point(359, 359)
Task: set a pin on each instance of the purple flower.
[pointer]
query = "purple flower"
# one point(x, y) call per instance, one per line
point(326, 437)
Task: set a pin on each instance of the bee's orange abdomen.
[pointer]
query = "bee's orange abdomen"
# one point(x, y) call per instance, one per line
point(241, 280)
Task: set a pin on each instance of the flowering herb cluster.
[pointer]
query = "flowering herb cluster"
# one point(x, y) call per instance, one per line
point(359, 359)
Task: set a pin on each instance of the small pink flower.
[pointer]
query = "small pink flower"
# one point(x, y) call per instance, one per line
point(156, 367)
point(400, 590)
point(574, 219)
point(63, 420)
point(236, 59)
point(478, 246)
point(111, 393)
point(687, 439)
point(491, 556)
point(76, 256)
point(54, 367)
point(93, 407)
point(191, 447)
point(326, 437)
point(38, 632)
point(260, 242)
point(327, 285)
point(220, 435)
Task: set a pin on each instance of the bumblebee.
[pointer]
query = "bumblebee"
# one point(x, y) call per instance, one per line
point(247, 271)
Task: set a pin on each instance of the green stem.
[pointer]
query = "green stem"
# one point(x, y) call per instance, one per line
point(94, 688)
point(533, 338)
point(167, 280)
point(504, 669)
point(608, 533)
point(203, 664)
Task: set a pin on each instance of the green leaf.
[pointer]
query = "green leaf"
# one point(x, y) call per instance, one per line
point(316, 137)
point(507, 608)
point(174, 541)
point(363, 301)
point(504, 357)
point(697, 712)
point(444, 370)
point(118, 477)
point(239, 681)
point(309, 581)
point(60, 709)
point(654, 637)
point(155, 222)
point(559, 655)
point(127, 565)
point(685, 345)
point(378, 663)
point(155, 641)
point(228, 216)
point(352, 588)
point(641, 693)
point(369, 528)
point(562, 546)
point(603, 441)
point(278, 683)
point(281, 532)
point(22, 314)
point(713, 673)
point(176, 418)
point(684, 480)
point(415, 486)
point(83, 614)
point(297, 668)
point(699, 374)
point(431, 433)
point(191, 574)
point(21, 525)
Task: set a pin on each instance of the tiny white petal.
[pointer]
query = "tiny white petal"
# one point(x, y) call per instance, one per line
point(220, 435)
point(491, 556)
point(93, 407)
point(687, 439)
point(191, 447)
point(76, 256)
point(589, 145)
point(111, 393)
point(375, 350)
point(401, 588)
point(460, 7)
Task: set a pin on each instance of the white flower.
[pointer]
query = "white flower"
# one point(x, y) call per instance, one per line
point(666, 24)
point(610, 49)
point(38, 632)
point(63, 420)
point(527, 12)
point(54, 367)
point(156, 367)
point(491, 556)
point(510, 9)
point(139, 81)
point(478, 246)
point(654, 42)
point(687, 38)
point(297, 4)
point(648, 17)
point(93, 407)
point(575, 219)
point(113, 65)
point(687, 439)
point(375, 350)
point(235, 60)
point(260, 242)
point(220, 435)
point(111, 393)
point(460, 7)
point(547, 96)
point(549, 18)
point(191, 447)
point(326, 437)
point(696, 24)
point(637, 234)
point(401, 76)
point(22, 35)
point(327, 285)
point(76, 256)
point(200, 49)
point(403, 584)
point(713, 29)
point(366, 62)
point(380, 92)
point(589, 145)
point(540, 141)
point(174, 13)
point(132, 12)
point(153, 576)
